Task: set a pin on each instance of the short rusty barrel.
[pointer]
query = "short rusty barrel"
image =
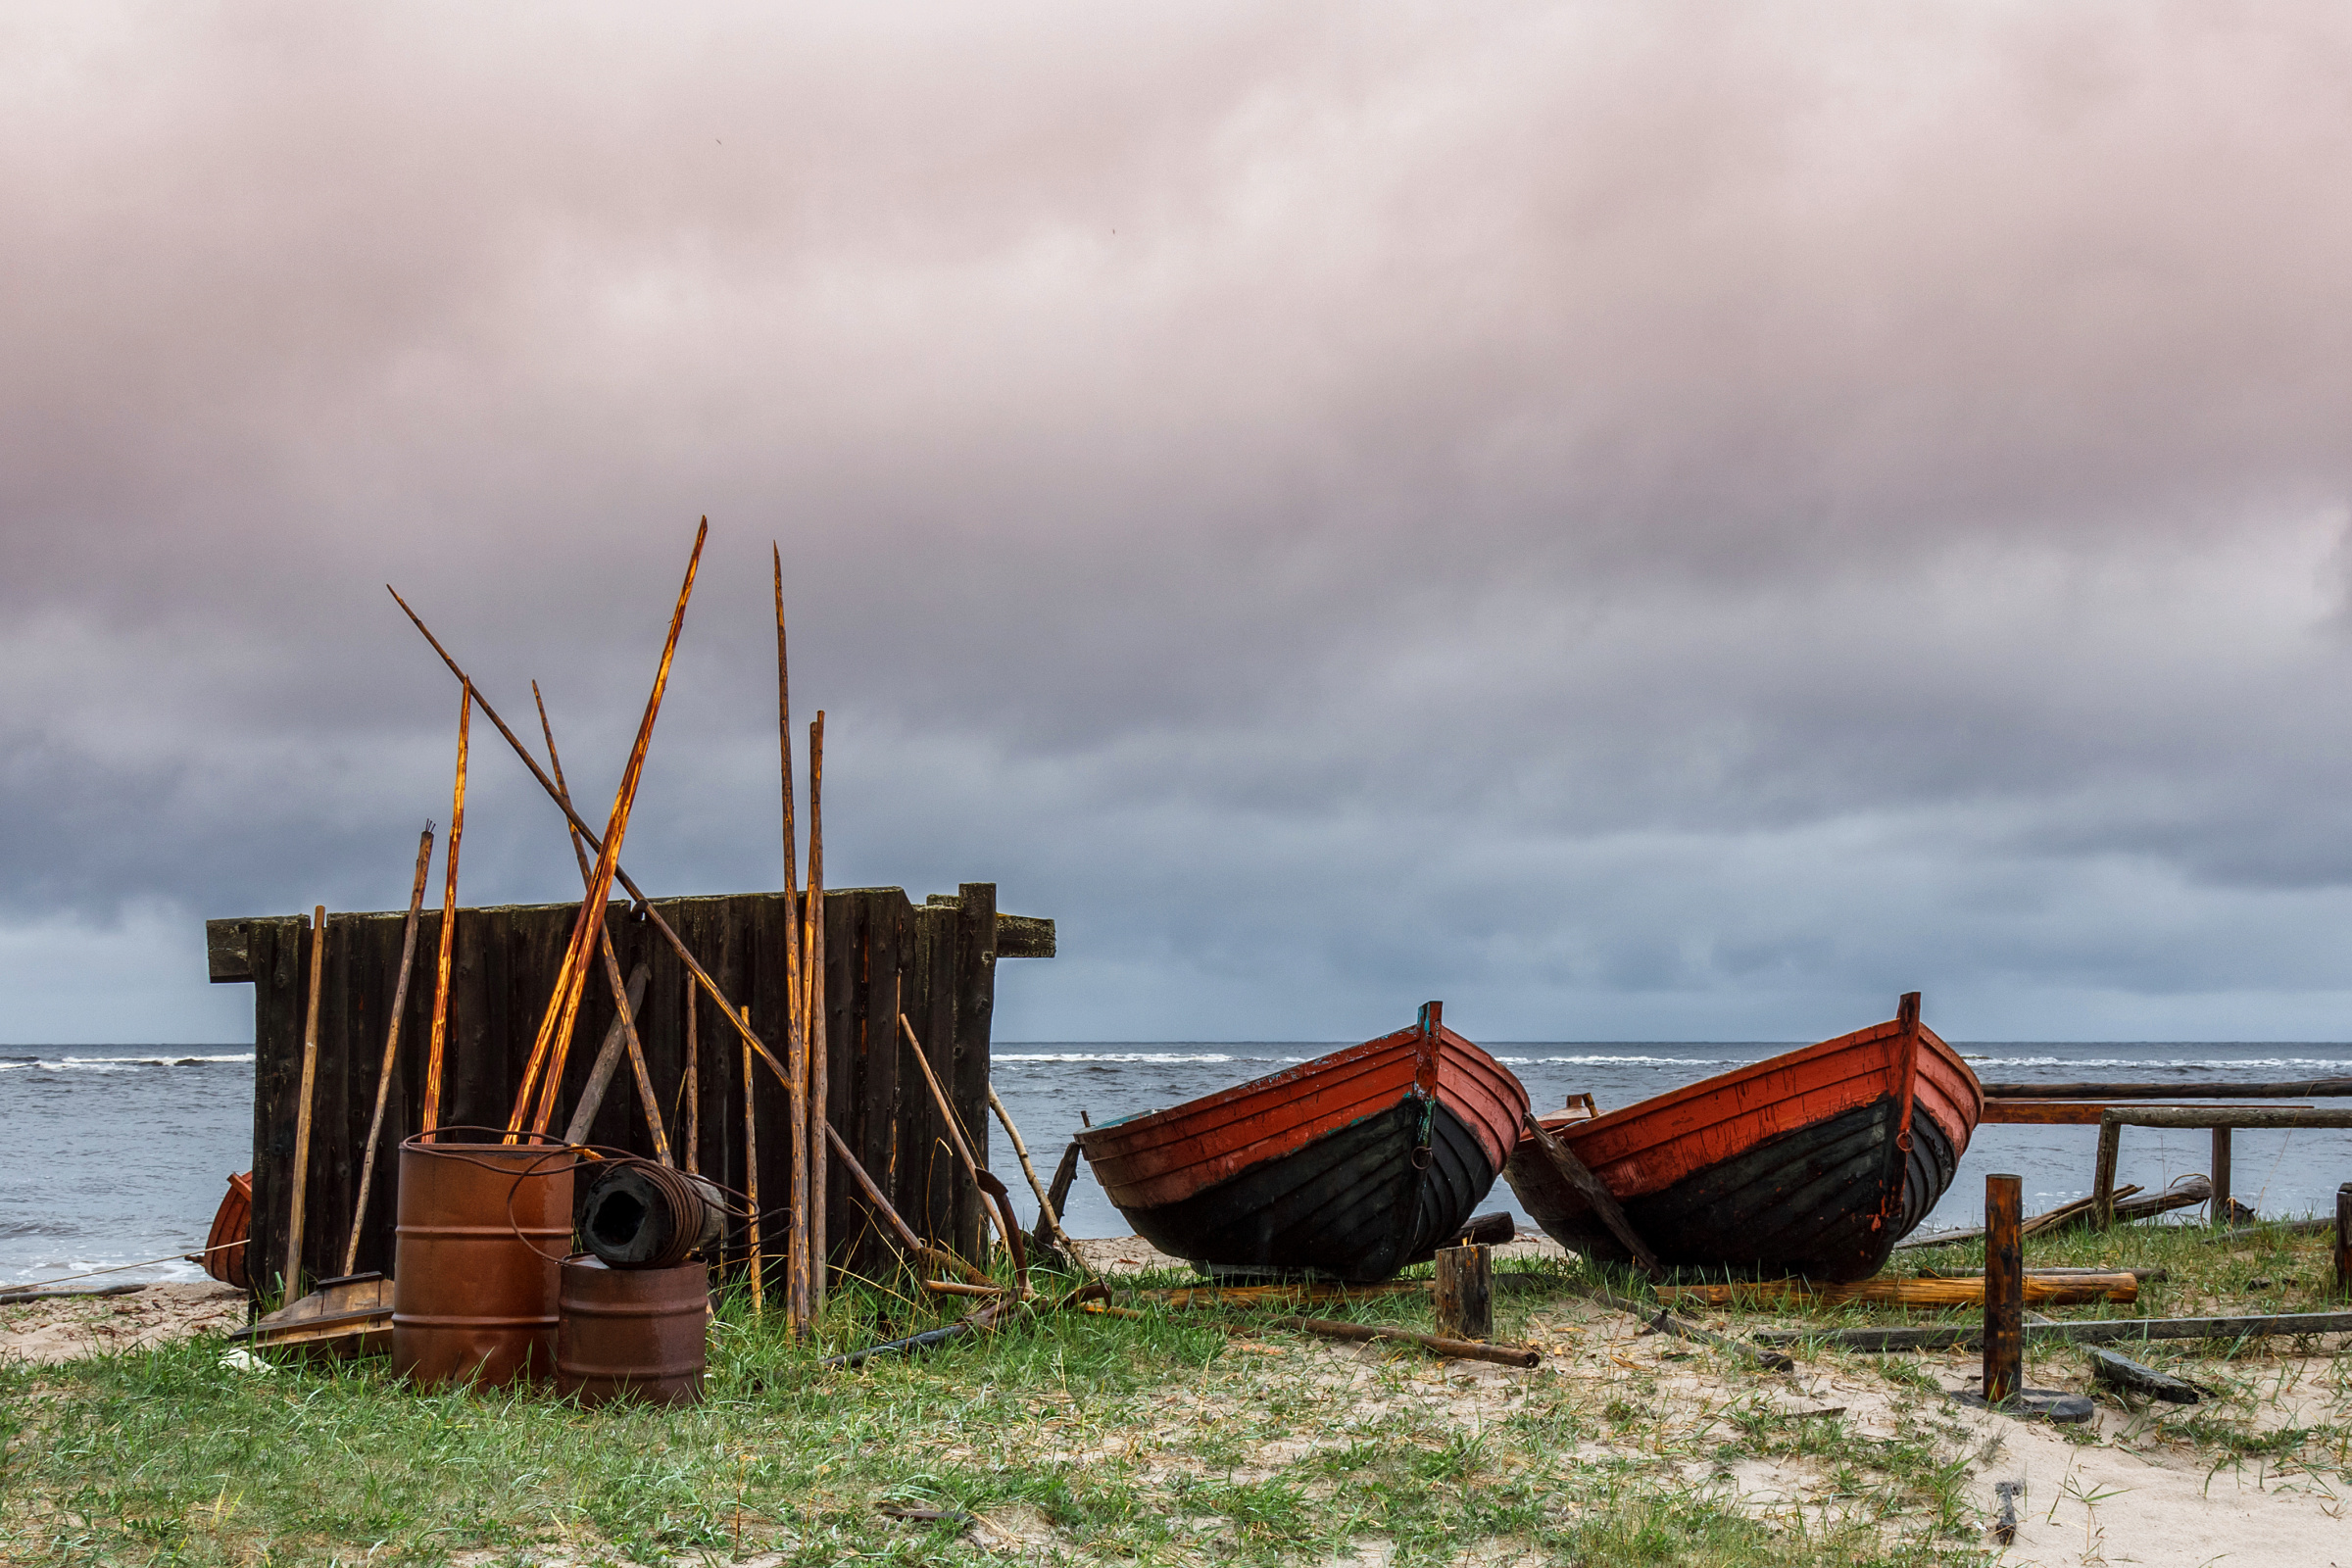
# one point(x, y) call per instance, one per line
point(481, 1226)
point(633, 1333)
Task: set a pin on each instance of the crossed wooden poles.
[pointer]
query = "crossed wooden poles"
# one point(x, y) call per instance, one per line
point(802, 1072)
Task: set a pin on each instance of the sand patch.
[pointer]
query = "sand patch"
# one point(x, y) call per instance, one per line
point(67, 1329)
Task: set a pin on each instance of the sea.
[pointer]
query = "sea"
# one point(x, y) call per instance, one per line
point(116, 1156)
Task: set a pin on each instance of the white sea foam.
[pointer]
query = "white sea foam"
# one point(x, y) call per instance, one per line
point(117, 1064)
point(2173, 1063)
point(1143, 1057)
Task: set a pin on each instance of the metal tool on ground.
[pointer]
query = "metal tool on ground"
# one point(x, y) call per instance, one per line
point(383, 1080)
point(298, 1208)
point(1661, 1321)
point(1464, 1298)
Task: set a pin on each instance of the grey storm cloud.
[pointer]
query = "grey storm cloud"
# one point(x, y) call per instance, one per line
point(1644, 520)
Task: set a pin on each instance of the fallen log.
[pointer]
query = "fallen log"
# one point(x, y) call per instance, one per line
point(2048, 1290)
point(13, 1298)
point(2108, 1331)
point(1465, 1349)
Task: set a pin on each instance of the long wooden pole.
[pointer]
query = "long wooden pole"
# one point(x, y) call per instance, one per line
point(623, 1008)
point(383, 1077)
point(554, 1041)
point(817, 1044)
point(750, 1174)
point(914, 1245)
point(298, 1207)
point(449, 923)
point(799, 1303)
point(607, 1060)
point(677, 944)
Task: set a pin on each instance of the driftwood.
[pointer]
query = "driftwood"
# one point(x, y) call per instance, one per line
point(13, 1298)
point(2044, 1289)
point(2110, 1330)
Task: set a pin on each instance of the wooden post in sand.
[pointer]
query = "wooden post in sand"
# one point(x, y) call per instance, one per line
point(1465, 1293)
point(2343, 1242)
point(2004, 1288)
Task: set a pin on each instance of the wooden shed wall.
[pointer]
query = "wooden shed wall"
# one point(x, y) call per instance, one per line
point(935, 961)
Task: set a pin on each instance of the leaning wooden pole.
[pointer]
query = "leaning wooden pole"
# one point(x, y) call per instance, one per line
point(750, 1175)
point(798, 1294)
point(625, 1010)
point(554, 1041)
point(298, 1207)
point(434, 1051)
point(677, 944)
point(383, 1077)
point(1000, 1214)
point(817, 1045)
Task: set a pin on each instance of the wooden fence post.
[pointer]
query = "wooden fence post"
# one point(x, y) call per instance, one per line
point(2218, 1206)
point(2343, 1242)
point(1465, 1293)
point(2102, 1181)
point(2005, 1285)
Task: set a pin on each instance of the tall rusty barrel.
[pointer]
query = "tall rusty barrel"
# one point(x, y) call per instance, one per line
point(480, 1229)
point(633, 1333)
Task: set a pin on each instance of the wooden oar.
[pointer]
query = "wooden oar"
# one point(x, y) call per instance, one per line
point(1590, 1188)
point(383, 1077)
point(554, 1041)
point(449, 923)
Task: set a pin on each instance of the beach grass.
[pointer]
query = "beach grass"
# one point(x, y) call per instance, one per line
point(1183, 1436)
point(1169, 1439)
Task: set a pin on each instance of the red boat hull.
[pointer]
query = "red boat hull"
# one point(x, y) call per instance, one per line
point(1348, 1166)
point(1815, 1162)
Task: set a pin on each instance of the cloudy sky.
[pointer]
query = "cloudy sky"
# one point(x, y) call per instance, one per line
point(1646, 522)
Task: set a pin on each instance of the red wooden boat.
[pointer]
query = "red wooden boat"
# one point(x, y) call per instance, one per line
point(225, 1249)
point(1347, 1167)
point(1816, 1162)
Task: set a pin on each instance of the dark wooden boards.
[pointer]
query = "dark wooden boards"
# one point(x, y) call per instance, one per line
point(935, 961)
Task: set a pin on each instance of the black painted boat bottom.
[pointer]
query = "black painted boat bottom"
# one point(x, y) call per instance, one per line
point(1351, 1207)
point(1807, 1202)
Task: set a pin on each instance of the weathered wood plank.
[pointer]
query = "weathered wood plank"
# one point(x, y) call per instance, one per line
point(1024, 936)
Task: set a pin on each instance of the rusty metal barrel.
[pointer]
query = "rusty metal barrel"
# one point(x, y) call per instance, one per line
point(479, 1232)
point(633, 1333)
